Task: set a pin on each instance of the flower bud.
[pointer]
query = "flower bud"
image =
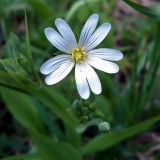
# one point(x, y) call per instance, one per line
point(104, 126)
point(76, 105)
point(84, 119)
point(84, 110)
point(92, 107)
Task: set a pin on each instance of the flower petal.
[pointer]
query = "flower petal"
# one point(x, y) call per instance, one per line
point(66, 32)
point(81, 81)
point(106, 53)
point(56, 39)
point(93, 79)
point(60, 73)
point(98, 36)
point(53, 63)
point(103, 65)
point(88, 29)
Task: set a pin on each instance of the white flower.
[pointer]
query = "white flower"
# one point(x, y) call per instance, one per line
point(82, 55)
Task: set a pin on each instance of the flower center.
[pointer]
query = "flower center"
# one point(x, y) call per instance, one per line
point(78, 55)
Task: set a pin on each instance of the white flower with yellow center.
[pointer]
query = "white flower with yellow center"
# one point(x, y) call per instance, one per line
point(82, 55)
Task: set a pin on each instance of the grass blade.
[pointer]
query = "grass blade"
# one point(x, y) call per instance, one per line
point(27, 39)
point(107, 140)
point(145, 10)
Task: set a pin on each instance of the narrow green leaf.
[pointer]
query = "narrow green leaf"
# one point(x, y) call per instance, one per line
point(149, 77)
point(27, 39)
point(48, 98)
point(78, 5)
point(72, 136)
point(145, 10)
point(58, 98)
point(143, 60)
point(54, 150)
point(107, 140)
point(21, 106)
point(29, 52)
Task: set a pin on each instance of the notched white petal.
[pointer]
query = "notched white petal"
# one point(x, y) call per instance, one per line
point(66, 32)
point(93, 79)
point(60, 73)
point(81, 81)
point(56, 39)
point(106, 54)
point(105, 66)
point(98, 36)
point(88, 29)
point(53, 63)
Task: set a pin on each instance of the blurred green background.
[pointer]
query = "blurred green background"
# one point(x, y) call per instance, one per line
point(38, 122)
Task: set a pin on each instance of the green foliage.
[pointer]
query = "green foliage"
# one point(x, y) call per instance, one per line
point(51, 149)
point(37, 6)
point(21, 106)
point(105, 141)
point(145, 10)
point(60, 125)
point(78, 5)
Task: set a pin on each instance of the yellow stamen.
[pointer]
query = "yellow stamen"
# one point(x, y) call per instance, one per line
point(78, 55)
